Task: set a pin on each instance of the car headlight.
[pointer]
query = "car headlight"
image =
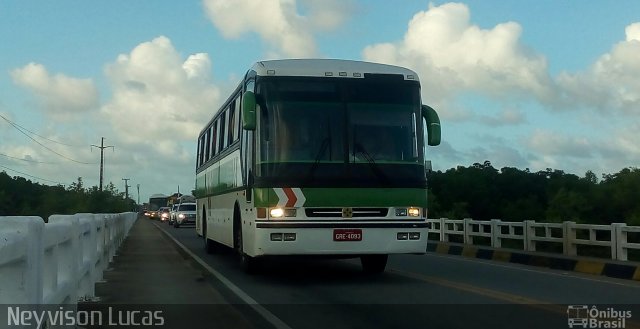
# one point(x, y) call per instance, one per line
point(181, 216)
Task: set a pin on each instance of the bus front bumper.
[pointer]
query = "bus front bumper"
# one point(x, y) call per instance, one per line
point(339, 238)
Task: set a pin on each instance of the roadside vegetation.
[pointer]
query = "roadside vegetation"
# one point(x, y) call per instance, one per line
point(22, 197)
point(483, 192)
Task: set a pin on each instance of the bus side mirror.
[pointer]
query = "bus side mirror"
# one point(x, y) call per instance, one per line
point(249, 110)
point(433, 125)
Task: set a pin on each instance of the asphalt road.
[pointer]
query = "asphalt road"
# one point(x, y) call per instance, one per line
point(416, 291)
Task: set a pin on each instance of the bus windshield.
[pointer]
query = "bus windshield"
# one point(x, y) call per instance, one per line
point(328, 131)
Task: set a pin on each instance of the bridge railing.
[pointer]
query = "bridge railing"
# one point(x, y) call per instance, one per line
point(60, 261)
point(570, 235)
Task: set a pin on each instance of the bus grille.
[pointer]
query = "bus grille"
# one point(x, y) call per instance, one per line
point(337, 212)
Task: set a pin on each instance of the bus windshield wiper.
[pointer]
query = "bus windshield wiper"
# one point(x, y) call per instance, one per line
point(359, 149)
point(312, 170)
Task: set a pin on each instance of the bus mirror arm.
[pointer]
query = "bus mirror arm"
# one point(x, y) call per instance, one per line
point(433, 125)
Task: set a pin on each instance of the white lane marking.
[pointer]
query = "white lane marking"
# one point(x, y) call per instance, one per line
point(550, 271)
point(270, 317)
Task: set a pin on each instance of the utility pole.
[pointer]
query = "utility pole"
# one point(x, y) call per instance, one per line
point(126, 187)
point(138, 194)
point(102, 147)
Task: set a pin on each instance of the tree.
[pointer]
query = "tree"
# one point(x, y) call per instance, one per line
point(567, 205)
point(21, 197)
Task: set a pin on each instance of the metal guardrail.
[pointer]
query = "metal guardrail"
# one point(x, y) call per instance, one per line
point(58, 262)
point(570, 235)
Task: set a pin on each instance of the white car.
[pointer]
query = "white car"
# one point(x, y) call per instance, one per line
point(163, 213)
point(186, 214)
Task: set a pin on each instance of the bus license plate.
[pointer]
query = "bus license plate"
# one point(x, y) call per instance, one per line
point(347, 235)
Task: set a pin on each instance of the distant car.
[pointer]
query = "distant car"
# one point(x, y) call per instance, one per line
point(186, 214)
point(153, 214)
point(173, 214)
point(163, 213)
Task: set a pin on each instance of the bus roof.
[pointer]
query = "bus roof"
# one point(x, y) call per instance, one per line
point(328, 68)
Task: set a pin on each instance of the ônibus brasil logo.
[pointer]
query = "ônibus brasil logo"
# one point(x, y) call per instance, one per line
point(581, 316)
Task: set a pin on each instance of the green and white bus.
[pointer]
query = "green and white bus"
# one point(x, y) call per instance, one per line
point(317, 157)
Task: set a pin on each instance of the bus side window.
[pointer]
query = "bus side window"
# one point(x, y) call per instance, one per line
point(201, 158)
point(207, 153)
point(236, 122)
point(214, 139)
point(198, 155)
point(231, 128)
point(221, 134)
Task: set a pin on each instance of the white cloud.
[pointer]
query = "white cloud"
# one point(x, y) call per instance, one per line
point(626, 144)
point(632, 32)
point(61, 96)
point(158, 98)
point(580, 153)
point(550, 143)
point(611, 83)
point(496, 150)
point(452, 55)
point(499, 155)
point(327, 15)
point(198, 66)
point(508, 116)
point(278, 22)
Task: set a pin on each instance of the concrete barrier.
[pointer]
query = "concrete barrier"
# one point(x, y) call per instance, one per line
point(58, 262)
point(569, 235)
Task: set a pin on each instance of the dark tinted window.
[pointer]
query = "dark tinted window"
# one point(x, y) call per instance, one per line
point(187, 207)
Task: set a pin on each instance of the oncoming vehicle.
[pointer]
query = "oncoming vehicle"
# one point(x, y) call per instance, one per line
point(155, 202)
point(164, 213)
point(317, 157)
point(186, 214)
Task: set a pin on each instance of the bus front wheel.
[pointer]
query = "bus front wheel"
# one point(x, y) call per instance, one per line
point(374, 263)
point(209, 245)
point(248, 264)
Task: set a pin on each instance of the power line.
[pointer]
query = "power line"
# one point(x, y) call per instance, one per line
point(26, 160)
point(31, 132)
point(52, 151)
point(38, 178)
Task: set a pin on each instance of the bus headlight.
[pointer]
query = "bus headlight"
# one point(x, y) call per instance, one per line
point(276, 212)
point(414, 212)
point(280, 212)
point(181, 216)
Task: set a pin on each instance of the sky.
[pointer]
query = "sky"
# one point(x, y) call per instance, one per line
point(524, 84)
